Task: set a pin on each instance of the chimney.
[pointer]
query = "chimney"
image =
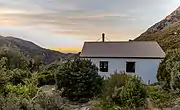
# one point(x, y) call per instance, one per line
point(103, 37)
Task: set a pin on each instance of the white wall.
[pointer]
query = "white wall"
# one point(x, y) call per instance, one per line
point(145, 68)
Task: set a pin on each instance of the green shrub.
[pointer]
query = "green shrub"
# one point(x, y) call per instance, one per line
point(168, 71)
point(105, 105)
point(41, 102)
point(79, 79)
point(21, 90)
point(112, 84)
point(10, 102)
point(175, 76)
point(162, 74)
point(133, 94)
point(50, 102)
point(14, 102)
point(18, 76)
point(3, 62)
point(160, 98)
point(18, 90)
point(4, 73)
point(4, 76)
point(15, 59)
point(26, 90)
point(15, 76)
point(125, 91)
point(46, 76)
point(51, 68)
point(31, 84)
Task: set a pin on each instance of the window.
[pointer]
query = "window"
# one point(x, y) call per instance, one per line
point(130, 67)
point(104, 66)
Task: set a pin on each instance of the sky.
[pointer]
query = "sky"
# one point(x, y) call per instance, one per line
point(64, 25)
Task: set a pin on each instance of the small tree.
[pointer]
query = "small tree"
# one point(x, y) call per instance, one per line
point(79, 79)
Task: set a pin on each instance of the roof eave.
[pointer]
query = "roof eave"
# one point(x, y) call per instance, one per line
point(125, 57)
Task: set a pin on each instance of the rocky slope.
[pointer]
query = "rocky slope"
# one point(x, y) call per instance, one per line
point(31, 49)
point(170, 19)
point(166, 32)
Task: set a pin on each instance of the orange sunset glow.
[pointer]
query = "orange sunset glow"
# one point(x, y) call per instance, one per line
point(68, 49)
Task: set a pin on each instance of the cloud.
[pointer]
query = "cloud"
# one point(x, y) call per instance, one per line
point(82, 24)
point(82, 19)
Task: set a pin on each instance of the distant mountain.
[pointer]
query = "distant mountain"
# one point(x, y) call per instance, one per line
point(166, 32)
point(31, 49)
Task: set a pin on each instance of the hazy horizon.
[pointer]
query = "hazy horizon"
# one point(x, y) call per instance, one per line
point(64, 25)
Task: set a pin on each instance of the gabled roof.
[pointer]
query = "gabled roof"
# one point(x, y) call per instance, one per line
point(130, 49)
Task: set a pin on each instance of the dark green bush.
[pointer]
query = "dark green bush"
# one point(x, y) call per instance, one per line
point(52, 68)
point(46, 78)
point(79, 79)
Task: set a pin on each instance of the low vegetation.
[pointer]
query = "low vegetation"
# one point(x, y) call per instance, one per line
point(77, 84)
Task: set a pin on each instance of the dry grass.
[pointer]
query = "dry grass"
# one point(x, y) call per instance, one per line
point(150, 105)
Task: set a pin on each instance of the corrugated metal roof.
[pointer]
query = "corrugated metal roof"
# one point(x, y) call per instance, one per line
point(130, 49)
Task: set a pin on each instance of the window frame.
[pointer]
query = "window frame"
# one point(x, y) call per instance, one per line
point(130, 70)
point(102, 67)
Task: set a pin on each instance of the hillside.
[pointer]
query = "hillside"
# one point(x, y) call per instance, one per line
point(31, 49)
point(166, 32)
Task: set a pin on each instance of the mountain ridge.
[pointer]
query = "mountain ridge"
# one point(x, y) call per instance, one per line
point(31, 49)
point(166, 32)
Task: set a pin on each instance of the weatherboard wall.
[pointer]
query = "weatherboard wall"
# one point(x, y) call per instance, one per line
point(145, 68)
